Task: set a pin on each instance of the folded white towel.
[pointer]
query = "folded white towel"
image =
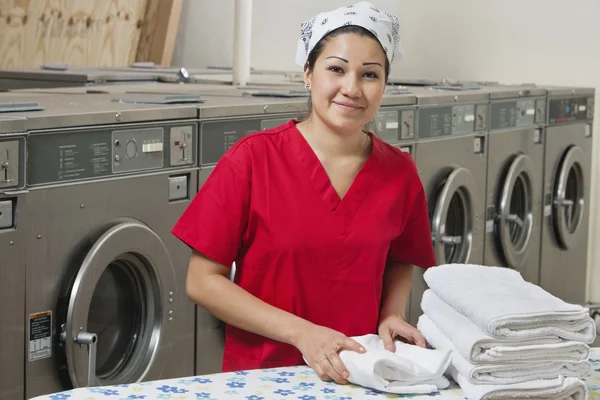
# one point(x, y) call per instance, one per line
point(500, 373)
point(557, 389)
point(409, 370)
point(502, 304)
point(477, 347)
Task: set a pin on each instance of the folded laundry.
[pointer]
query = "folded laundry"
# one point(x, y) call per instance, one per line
point(557, 389)
point(503, 305)
point(500, 373)
point(478, 347)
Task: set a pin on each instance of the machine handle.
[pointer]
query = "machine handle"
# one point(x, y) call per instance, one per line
point(515, 218)
point(89, 340)
point(568, 204)
point(451, 239)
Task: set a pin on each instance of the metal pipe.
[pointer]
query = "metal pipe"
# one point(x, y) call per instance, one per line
point(242, 40)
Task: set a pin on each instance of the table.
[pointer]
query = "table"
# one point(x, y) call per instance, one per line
point(279, 383)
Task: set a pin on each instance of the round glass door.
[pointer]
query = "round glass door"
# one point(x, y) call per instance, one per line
point(117, 308)
point(569, 197)
point(515, 211)
point(452, 219)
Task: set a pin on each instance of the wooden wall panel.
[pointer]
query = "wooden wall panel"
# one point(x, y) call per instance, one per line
point(159, 32)
point(75, 32)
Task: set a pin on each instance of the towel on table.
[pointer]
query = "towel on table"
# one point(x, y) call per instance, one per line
point(409, 370)
point(557, 389)
point(477, 347)
point(503, 305)
point(501, 373)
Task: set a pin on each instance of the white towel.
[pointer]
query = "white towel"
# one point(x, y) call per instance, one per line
point(500, 373)
point(502, 304)
point(477, 347)
point(409, 370)
point(557, 389)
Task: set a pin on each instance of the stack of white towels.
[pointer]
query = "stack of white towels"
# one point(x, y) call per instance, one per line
point(508, 338)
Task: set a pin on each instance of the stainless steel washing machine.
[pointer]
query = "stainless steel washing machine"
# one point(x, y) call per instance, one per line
point(514, 205)
point(451, 158)
point(105, 280)
point(12, 251)
point(568, 156)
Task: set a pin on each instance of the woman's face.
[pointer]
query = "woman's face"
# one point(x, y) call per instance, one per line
point(347, 82)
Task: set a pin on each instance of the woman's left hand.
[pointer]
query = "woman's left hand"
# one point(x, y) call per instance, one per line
point(394, 326)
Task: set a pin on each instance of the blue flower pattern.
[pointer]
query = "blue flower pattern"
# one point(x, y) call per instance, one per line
point(297, 383)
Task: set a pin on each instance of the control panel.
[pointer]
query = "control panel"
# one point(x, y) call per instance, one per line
point(395, 124)
point(386, 125)
point(73, 155)
point(569, 110)
point(218, 136)
point(451, 120)
point(517, 113)
point(11, 163)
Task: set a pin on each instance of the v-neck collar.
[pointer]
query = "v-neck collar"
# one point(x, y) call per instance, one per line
point(345, 208)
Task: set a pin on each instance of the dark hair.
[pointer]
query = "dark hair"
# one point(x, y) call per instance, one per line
point(318, 49)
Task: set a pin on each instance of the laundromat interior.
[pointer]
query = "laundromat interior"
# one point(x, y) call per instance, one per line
point(115, 113)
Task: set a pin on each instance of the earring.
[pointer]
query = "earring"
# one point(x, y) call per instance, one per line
point(308, 85)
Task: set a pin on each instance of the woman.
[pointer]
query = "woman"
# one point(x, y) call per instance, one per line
point(323, 220)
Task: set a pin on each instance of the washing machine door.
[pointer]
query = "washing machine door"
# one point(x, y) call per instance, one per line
point(568, 204)
point(452, 219)
point(117, 308)
point(514, 223)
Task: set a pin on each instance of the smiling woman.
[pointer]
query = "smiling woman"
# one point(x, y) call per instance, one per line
point(347, 68)
point(323, 220)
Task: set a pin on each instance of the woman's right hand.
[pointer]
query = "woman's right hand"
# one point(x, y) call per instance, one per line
point(320, 346)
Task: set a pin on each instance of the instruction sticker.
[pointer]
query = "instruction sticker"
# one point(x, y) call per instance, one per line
point(40, 336)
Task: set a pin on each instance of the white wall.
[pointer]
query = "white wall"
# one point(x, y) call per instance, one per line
point(541, 41)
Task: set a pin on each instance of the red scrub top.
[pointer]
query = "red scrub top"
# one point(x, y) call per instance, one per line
point(269, 206)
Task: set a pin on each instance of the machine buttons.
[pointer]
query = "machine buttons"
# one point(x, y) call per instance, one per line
point(152, 147)
point(9, 164)
point(131, 149)
point(540, 111)
point(181, 145)
point(137, 149)
point(526, 112)
point(6, 214)
point(481, 117)
point(407, 130)
point(178, 187)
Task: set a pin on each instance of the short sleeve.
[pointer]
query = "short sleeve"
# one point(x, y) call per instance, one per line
point(414, 245)
point(214, 221)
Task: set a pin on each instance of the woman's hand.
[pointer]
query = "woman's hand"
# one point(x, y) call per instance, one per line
point(393, 326)
point(320, 347)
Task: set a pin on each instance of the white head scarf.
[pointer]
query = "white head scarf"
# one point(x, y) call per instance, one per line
point(383, 25)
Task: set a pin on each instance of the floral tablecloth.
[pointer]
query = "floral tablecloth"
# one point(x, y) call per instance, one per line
point(280, 383)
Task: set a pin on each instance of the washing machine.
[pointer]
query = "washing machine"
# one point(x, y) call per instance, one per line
point(514, 201)
point(451, 156)
point(12, 249)
point(567, 170)
point(105, 299)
